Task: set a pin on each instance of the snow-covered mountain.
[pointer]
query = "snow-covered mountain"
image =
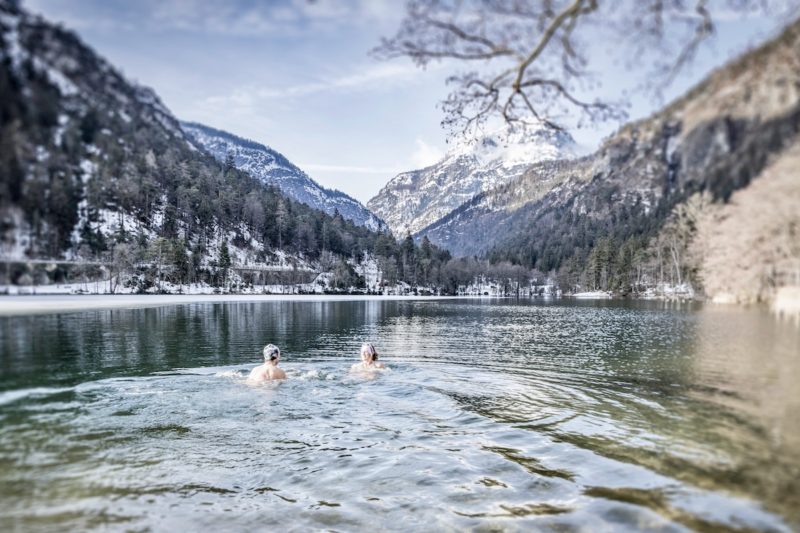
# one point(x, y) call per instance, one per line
point(414, 200)
point(273, 168)
point(716, 139)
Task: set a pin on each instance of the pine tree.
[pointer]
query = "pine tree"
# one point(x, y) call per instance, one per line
point(282, 220)
point(180, 259)
point(409, 263)
point(426, 251)
point(230, 162)
point(224, 261)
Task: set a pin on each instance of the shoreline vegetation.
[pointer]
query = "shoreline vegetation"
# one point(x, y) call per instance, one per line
point(480, 287)
point(146, 290)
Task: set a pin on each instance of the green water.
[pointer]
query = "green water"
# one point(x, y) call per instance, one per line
point(495, 415)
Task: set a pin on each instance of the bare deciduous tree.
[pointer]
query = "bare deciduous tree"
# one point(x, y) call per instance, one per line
point(750, 247)
point(678, 234)
point(531, 57)
point(123, 262)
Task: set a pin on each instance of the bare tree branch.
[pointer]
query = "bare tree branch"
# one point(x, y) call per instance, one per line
point(704, 29)
point(493, 48)
point(530, 57)
point(570, 13)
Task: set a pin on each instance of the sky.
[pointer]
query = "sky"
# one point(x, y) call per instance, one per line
point(296, 75)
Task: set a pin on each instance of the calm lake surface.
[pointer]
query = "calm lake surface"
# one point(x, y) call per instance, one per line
point(495, 415)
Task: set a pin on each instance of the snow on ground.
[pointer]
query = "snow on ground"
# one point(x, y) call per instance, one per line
point(368, 269)
point(787, 302)
point(58, 134)
point(15, 241)
point(665, 290)
point(593, 295)
point(65, 86)
point(15, 51)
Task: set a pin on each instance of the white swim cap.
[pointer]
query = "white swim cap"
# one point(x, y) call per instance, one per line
point(271, 352)
point(368, 349)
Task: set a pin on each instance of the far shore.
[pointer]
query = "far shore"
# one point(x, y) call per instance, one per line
point(58, 303)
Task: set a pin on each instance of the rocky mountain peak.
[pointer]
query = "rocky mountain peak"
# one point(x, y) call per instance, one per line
point(413, 200)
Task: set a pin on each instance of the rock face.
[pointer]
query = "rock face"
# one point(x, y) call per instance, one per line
point(413, 200)
point(272, 168)
point(718, 137)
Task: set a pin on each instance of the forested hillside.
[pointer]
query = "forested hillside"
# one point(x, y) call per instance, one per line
point(95, 168)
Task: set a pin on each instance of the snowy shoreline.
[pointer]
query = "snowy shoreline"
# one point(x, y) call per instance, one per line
point(53, 303)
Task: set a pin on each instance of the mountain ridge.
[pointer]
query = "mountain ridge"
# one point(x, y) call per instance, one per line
point(274, 168)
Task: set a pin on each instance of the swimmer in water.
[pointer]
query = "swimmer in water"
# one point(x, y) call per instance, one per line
point(369, 360)
point(269, 370)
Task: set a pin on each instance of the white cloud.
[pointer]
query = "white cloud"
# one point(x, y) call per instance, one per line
point(425, 155)
point(384, 72)
point(381, 75)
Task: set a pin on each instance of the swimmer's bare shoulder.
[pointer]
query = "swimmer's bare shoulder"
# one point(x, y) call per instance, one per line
point(360, 367)
point(259, 373)
point(277, 373)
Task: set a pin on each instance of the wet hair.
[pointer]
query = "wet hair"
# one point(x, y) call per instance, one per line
point(271, 352)
point(370, 350)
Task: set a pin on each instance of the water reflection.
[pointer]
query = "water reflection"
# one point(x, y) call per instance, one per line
point(749, 364)
point(495, 415)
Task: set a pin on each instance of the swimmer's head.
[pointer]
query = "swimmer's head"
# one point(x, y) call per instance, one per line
point(271, 353)
point(368, 352)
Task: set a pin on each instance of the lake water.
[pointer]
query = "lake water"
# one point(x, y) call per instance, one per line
point(495, 415)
